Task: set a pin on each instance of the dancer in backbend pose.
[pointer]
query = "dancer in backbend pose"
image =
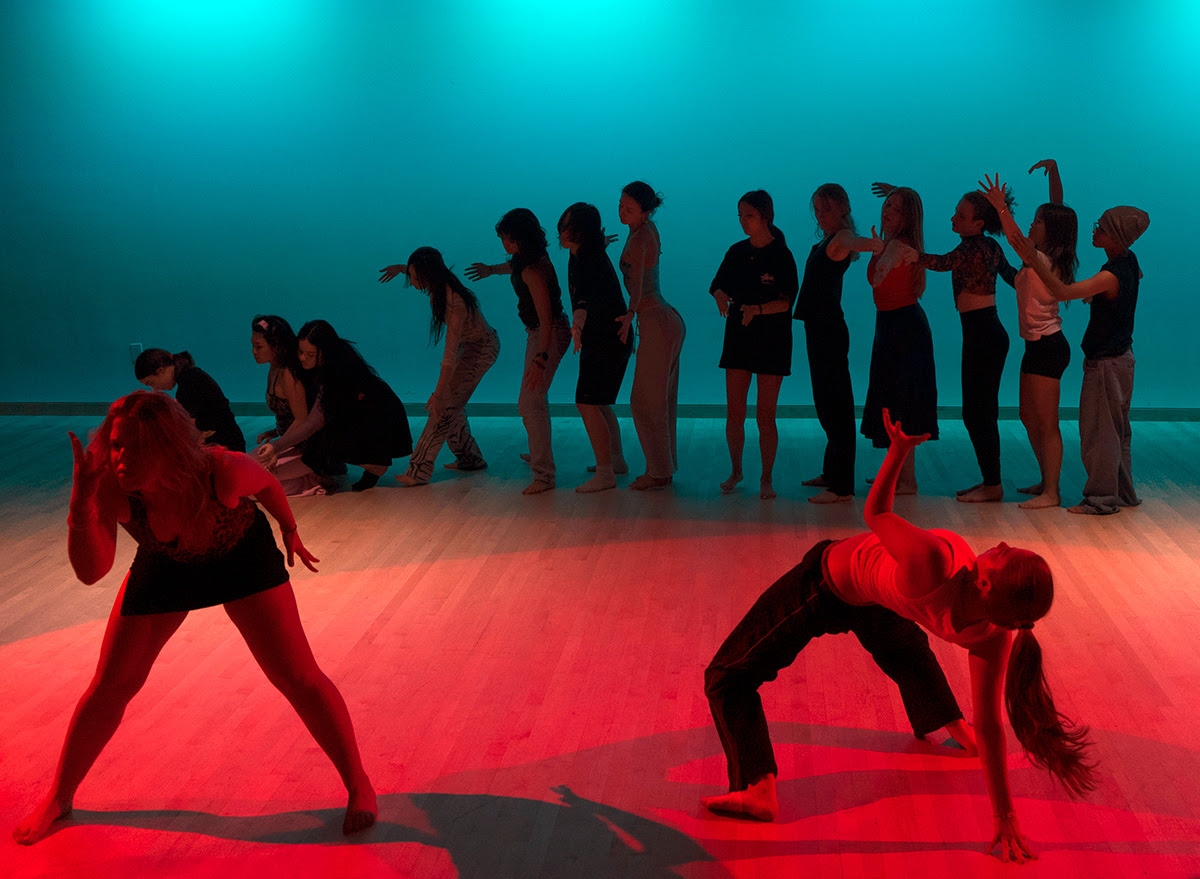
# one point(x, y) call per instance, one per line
point(879, 584)
point(472, 346)
point(755, 288)
point(202, 541)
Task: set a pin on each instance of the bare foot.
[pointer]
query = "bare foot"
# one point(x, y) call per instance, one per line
point(1043, 501)
point(646, 482)
point(758, 802)
point(409, 481)
point(36, 825)
point(962, 733)
point(985, 494)
point(599, 482)
point(962, 491)
point(1030, 489)
point(765, 490)
point(828, 497)
point(731, 483)
point(361, 810)
point(817, 482)
point(537, 487)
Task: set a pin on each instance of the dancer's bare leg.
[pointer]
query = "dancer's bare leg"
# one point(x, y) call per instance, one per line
point(737, 386)
point(597, 429)
point(1043, 397)
point(768, 431)
point(270, 624)
point(758, 801)
point(127, 653)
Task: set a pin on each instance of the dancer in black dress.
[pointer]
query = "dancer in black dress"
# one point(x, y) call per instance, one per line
point(195, 390)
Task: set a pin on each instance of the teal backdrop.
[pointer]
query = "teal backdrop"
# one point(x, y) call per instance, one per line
point(170, 167)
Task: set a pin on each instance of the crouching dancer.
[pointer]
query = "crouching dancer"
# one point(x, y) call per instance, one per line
point(880, 585)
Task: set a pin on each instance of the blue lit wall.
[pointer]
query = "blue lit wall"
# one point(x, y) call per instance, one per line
point(167, 169)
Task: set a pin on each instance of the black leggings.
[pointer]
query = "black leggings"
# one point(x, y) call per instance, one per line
point(828, 344)
point(984, 350)
point(798, 607)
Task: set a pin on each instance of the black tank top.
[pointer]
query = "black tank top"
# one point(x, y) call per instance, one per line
point(525, 307)
point(820, 296)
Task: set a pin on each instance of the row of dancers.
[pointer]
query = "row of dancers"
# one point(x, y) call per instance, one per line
point(758, 291)
point(202, 540)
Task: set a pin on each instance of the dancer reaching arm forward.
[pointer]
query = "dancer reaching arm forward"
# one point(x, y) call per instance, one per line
point(880, 584)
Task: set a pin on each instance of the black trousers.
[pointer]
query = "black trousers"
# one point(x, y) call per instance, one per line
point(828, 344)
point(984, 350)
point(798, 607)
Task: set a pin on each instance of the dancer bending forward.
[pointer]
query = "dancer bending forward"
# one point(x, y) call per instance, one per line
point(202, 541)
point(877, 585)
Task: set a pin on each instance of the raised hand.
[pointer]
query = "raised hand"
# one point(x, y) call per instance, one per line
point(1048, 166)
point(86, 473)
point(994, 191)
point(477, 271)
point(883, 190)
point(294, 547)
point(899, 438)
point(388, 272)
point(877, 243)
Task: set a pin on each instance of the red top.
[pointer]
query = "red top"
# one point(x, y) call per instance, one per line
point(900, 288)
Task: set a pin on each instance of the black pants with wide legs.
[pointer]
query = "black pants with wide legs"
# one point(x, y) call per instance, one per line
point(798, 607)
point(828, 344)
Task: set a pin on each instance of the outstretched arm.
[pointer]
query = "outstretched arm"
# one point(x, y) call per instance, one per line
point(1050, 167)
point(924, 559)
point(478, 270)
point(388, 272)
point(988, 662)
point(883, 190)
point(236, 476)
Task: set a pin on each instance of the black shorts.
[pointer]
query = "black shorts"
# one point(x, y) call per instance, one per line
point(1049, 356)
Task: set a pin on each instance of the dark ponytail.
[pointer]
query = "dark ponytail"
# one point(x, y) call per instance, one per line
point(1052, 741)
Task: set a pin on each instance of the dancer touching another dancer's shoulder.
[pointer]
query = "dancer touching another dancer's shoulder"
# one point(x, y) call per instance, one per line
point(202, 541)
point(1053, 233)
point(880, 584)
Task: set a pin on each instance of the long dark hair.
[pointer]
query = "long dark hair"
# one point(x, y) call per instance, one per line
point(278, 333)
point(167, 433)
point(152, 360)
point(913, 231)
point(427, 267)
point(1023, 593)
point(1062, 235)
point(522, 226)
point(342, 373)
point(761, 201)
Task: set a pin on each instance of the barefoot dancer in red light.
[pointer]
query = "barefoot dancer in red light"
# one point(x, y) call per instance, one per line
point(905, 574)
point(202, 541)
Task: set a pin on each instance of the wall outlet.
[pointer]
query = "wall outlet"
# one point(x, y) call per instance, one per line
point(135, 348)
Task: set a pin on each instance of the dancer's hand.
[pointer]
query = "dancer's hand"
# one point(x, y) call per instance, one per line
point(266, 455)
point(1024, 247)
point(904, 255)
point(477, 271)
point(993, 190)
point(291, 542)
point(899, 438)
point(877, 243)
point(87, 473)
point(1048, 166)
point(265, 435)
point(883, 190)
point(388, 272)
point(748, 315)
point(626, 321)
point(723, 299)
point(434, 406)
point(1013, 847)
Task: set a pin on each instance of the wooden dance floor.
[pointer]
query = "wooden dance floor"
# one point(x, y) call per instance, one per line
point(525, 677)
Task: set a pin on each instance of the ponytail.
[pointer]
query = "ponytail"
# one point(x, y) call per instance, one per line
point(1052, 741)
